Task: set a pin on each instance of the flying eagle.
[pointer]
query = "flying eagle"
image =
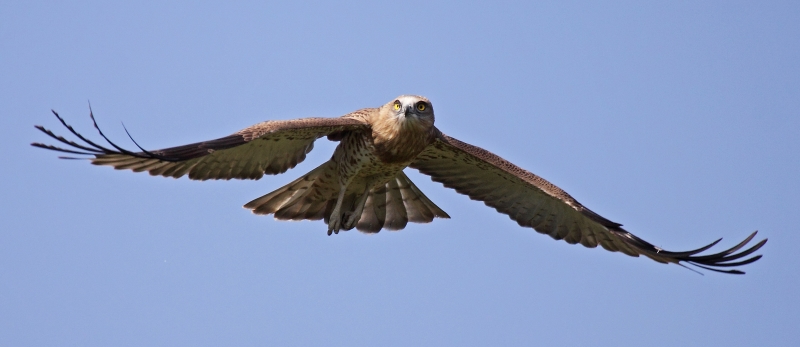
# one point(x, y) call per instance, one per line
point(363, 185)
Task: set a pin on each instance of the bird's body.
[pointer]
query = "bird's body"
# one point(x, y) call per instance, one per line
point(363, 185)
point(364, 163)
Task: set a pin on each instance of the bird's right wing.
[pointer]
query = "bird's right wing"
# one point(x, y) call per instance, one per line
point(536, 203)
point(271, 147)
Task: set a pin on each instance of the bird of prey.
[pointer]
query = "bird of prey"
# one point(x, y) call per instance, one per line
point(363, 185)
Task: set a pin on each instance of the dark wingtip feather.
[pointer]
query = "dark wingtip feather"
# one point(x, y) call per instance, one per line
point(120, 149)
point(699, 250)
point(732, 272)
point(88, 147)
point(151, 154)
point(59, 149)
point(714, 262)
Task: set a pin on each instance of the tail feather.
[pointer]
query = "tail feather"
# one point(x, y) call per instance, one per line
point(292, 211)
point(272, 202)
point(396, 216)
point(374, 215)
point(286, 195)
point(316, 210)
point(395, 204)
point(313, 197)
point(420, 209)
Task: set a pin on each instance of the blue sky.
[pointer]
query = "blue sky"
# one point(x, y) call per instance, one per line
point(678, 119)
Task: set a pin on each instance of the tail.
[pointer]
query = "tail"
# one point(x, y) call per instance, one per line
point(396, 203)
point(313, 197)
point(307, 197)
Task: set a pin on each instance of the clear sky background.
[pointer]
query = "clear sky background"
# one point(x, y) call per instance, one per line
point(678, 119)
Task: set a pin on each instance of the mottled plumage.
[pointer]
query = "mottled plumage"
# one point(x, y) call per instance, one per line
point(363, 185)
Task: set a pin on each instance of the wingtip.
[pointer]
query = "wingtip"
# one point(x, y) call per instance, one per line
point(726, 258)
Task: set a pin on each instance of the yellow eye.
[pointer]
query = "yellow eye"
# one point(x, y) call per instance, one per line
point(421, 106)
point(396, 106)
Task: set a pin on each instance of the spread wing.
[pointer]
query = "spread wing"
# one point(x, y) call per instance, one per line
point(270, 147)
point(536, 203)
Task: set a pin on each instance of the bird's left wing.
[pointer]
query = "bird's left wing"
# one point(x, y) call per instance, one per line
point(536, 203)
point(271, 147)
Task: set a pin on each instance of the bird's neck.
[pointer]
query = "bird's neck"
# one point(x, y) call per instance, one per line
point(400, 139)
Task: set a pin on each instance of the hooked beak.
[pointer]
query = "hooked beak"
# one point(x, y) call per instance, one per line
point(408, 111)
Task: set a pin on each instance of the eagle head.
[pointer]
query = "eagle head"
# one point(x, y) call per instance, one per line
point(410, 111)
